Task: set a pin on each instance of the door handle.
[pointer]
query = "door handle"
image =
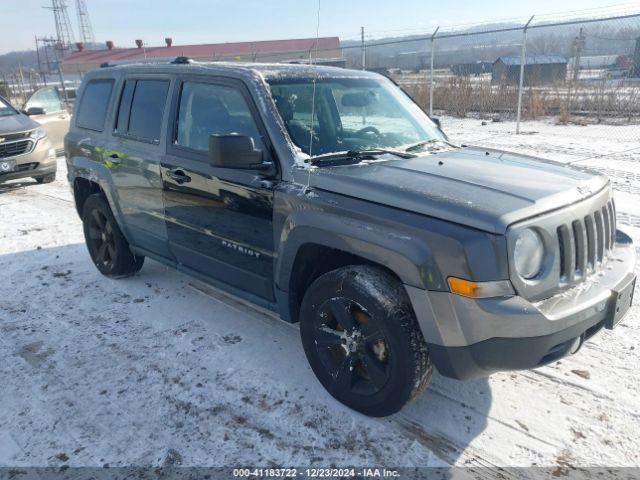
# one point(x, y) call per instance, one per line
point(178, 176)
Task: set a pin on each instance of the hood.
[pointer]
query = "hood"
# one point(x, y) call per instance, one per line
point(16, 123)
point(484, 189)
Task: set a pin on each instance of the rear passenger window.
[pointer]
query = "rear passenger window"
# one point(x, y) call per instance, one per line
point(141, 109)
point(92, 111)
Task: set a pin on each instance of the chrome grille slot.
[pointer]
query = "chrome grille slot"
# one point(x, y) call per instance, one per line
point(12, 149)
point(591, 242)
point(599, 235)
point(580, 240)
point(607, 228)
point(565, 243)
point(612, 223)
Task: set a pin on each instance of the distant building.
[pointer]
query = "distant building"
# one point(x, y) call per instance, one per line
point(412, 60)
point(263, 51)
point(474, 68)
point(538, 70)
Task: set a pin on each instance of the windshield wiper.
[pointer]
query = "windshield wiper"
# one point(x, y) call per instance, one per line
point(358, 154)
point(419, 145)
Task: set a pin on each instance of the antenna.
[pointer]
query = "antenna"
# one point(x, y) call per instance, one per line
point(84, 24)
point(63, 25)
point(313, 97)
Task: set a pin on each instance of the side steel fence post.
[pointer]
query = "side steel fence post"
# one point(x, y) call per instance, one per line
point(521, 82)
point(433, 40)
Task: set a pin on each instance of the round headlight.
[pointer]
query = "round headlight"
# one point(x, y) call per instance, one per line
point(528, 254)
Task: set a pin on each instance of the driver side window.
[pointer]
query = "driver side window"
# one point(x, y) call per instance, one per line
point(207, 109)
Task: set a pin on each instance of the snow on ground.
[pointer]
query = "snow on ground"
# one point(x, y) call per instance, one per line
point(160, 369)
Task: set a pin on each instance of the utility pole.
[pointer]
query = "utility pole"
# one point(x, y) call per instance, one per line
point(578, 46)
point(84, 24)
point(522, 62)
point(22, 90)
point(58, 50)
point(40, 69)
point(433, 41)
point(363, 48)
point(58, 54)
point(64, 32)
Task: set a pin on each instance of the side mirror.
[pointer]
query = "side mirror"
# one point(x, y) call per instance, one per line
point(35, 111)
point(436, 120)
point(235, 151)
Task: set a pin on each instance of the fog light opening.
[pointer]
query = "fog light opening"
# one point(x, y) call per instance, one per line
point(577, 344)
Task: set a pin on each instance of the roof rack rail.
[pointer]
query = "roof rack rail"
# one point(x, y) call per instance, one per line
point(182, 60)
point(149, 61)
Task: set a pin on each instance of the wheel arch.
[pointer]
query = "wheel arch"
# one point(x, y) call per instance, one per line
point(308, 251)
point(88, 177)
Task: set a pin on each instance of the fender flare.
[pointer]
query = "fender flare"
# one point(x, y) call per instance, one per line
point(411, 260)
point(92, 171)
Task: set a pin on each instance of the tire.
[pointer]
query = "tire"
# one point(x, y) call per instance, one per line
point(46, 179)
point(107, 247)
point(378, 361)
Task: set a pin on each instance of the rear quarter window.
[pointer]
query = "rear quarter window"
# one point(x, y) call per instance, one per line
point(91, 113)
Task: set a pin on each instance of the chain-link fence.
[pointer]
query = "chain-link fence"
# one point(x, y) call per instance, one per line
point(574, 72)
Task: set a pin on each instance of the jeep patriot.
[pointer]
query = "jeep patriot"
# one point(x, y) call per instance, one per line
point(328, 196)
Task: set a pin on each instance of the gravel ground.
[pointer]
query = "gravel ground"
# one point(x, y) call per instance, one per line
point(159, 369)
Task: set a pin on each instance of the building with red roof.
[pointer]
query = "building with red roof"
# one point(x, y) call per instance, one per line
point(293, 50)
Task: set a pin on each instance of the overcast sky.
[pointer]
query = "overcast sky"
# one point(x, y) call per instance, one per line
point(210, 21)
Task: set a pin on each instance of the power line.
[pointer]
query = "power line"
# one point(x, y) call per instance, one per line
point(611, 9)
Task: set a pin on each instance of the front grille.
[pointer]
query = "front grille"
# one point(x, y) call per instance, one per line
point(585, 243)
point(10, 137)
point(11, 149)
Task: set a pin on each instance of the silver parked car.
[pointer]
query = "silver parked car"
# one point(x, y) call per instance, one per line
point(28, 147)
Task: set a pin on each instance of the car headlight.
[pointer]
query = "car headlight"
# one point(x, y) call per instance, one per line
point(38, 134)
point(528, 254)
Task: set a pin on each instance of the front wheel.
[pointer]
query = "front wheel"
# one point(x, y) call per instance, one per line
point(107, 247)
point(362, 340)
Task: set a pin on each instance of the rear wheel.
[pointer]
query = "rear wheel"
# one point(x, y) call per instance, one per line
point(107, 246)
point(46, 178)
point(362, 340)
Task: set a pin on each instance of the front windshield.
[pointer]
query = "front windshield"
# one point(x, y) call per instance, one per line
point(6, 109)
point(350, 114)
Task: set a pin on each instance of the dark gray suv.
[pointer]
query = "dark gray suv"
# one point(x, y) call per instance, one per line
point(328, 196)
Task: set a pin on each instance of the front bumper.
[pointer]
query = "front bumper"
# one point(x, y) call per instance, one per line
point(38, 162)
point(475, 337)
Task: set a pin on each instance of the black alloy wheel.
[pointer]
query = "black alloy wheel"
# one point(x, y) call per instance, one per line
point(101, 238)
point(351, 346)
point(362, 339)
point(107, 246)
